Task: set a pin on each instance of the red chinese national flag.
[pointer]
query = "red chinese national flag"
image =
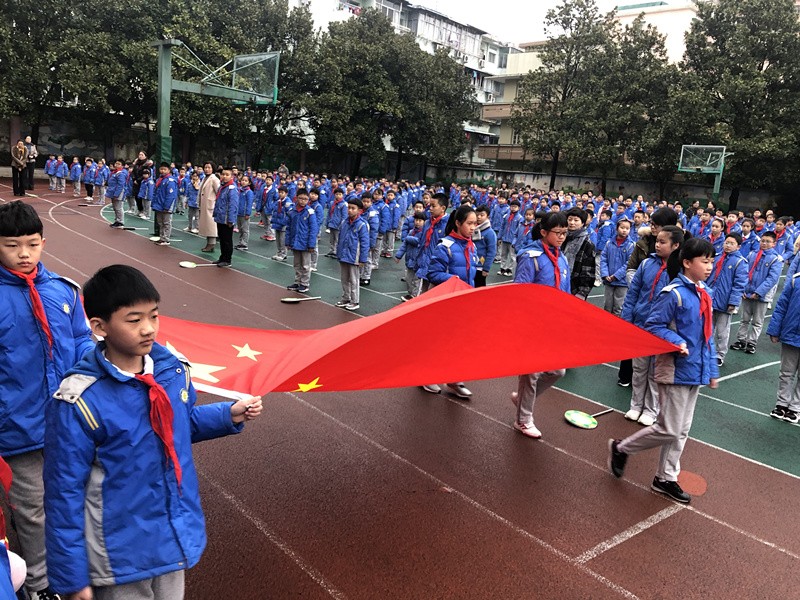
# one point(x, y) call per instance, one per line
point(440, 336)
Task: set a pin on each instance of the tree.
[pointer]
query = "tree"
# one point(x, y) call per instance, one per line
point(545, 111)
point(746, 57)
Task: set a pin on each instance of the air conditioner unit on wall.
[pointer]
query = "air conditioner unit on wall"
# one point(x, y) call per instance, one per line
point(481, 63)
point(489, 97)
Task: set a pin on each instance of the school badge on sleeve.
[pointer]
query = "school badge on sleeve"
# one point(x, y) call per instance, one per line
point(65, 307)
point(184, 395)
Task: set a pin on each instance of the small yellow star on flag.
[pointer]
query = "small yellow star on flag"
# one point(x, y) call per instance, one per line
point(199, 370)
point(246, 352)
point(307, 387)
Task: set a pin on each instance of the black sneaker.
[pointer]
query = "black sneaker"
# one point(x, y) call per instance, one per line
point(750, 349)
point(720, 362)
point(223, 264)
point(302, 290)
point(671, 489)
point(294, 287)
point(365, 282)
point(738, 346)
point(790, 416)
point(45, 594)
point(778, 412)
point(621, 383)
point(616, 459)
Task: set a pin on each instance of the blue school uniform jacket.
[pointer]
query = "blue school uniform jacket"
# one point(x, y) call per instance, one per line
point(89, 173)
point(353, 245)
point(116, 184)
point(319, 212)
point(752, 242)
point(75, 172)
point(385, 216)
point(523, 238)
point(675, 318)
point(427, 244)
point(29, 373)
point(534, 266)
point(718, 243)
point(606, 232)
point(6, 588)
point(485, 246)
point(301, 233)
point(765, 275)
point(642, 292)
point(453, 257)
point(410, 248)
point(280, 213)
point(784, 245)
point(50, 167)
point(727, 288)
point(115, 513)
point(509, 226)
point(614, 261)
point(245, 202)
point(146, 189)
point(785, 322)
point(267, 200)
point(373, 218)
point(191, 195)
point(165, 193)
point(61, 169)
point(337, 213)
point(497, 214)
point(226, 208)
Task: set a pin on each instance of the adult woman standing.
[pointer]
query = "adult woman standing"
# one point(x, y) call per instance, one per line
point(31, 162)
point(19, 167)
point(206, 199)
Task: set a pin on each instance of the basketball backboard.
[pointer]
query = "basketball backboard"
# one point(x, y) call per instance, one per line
point(702, 159)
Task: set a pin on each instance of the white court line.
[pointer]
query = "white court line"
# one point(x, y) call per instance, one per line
point(629, 533)
point(469, 500)
point(298, 560)
point(750, 370)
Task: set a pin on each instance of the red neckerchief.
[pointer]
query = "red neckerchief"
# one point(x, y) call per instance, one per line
point(469, 248)
point(429, 233)
point(779, 235)
point(161, 180)
point(658, 276)
point(161, 416)
point(702, 227)
point(728, 227)
point(755, 263)
point(713, 239)
point(36, 302)
point(528, 227)
point(5, 480)
point(705, 313)
point(620, 241)
point(511, 215)
point(553, 256)
point(222, 187)
point(720, 264)
point(299, 208)
point(334, 205)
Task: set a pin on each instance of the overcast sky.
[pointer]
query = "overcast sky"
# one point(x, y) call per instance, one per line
point(508, 20)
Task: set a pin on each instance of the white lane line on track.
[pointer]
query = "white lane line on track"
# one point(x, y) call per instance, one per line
point(750, 370)
point(262, 527)
point(469, 500)
point(629, 533)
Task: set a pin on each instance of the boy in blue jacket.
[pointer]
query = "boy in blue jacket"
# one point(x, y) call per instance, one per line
point(280, 219)
point(301, 237)
point(764, 271)
point(128, 407)
point(613, 266)
point(727, 282)
point(75, 176)
point(315, 204)
point(785, 328)
point(49, 334)
point(410, 249)
point(337, 213)
point(50, 171)
point(226, 211)
point(485, 245)
point(165, 195)
point(115, 192)
point(543, 263)
point(507, 236)
point(373, 219)
point(352, 251)
point(680, 374)
point(61, 171)
point(244, 212)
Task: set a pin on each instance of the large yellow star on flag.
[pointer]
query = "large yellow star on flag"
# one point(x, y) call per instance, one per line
point(246, 352)
point(199, 370)
point(307, 387)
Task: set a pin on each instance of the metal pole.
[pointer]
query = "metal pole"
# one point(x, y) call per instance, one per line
point(164, 96)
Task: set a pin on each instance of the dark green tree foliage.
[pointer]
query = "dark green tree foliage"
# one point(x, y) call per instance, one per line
point(745, 55)
point(546, 111)
point(380, 85)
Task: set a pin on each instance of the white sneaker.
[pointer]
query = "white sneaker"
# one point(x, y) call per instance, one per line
point(633, 414)
point(352, 306)
point(432, 388)
point(528, 430)
point(646, 420)
point(342, 303)
point(460, 390)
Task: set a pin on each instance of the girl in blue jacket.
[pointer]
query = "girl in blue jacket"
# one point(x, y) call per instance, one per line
point(785, 328)
point(455, 256)
point(613, 265)
point(244, 212)
point(682, 316)
point(727, 282)
point(653, 274)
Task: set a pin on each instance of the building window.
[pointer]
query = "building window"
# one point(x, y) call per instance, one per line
point(492, 57)
point(516, 138)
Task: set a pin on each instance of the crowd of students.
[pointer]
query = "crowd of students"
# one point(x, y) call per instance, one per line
point(679, 274)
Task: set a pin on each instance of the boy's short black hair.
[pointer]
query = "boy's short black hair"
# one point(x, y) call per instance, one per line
point(736, 236)
point(664, 216)
point(356, 202)
point(164, 164)
point(696, 247)
point(366, 196)
point(283, 188)
point(748, 220)
point(145, 172)
point(482, 208)
point(301, 192)
point(514, 203)
point(441, 199)
point(554, 219)
point(315, 190)
point(421, 215)
point(18, 219)
point(769, 234)
point(785, 220)
point(115, 287)
point(555, 203)
point(607, 212)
